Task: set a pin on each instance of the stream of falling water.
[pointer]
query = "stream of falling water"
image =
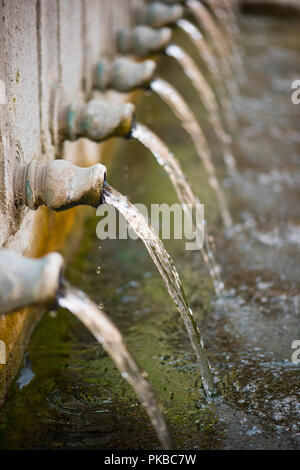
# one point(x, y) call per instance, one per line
point(205, 92)
point(226, 17)
point(229, 8)
point(171, 96)
point(207, 97)
point(111, 339)
point(219, 78)
point(225, 13)
point(184, 193)
point(167, 269)
point(218, 40)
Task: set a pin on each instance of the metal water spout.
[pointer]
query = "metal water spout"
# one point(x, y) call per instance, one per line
point(25, 282)
point(59, 185)
point(124, 74)
point(157, 14)
point(143, 40)
point(98, 120)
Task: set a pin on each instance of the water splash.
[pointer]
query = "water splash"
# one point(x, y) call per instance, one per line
point(216, 72)
point(167, 269)
point(171, 96)
point(111, 339)
point(184, 193)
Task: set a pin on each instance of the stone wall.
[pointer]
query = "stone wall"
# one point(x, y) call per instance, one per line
point(48, 51)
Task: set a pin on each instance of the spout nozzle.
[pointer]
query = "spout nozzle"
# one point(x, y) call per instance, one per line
point(143, 40)
point(60, 185)
point(25, 282)
point(98, 120)
point(157, 14)
point(124, 74)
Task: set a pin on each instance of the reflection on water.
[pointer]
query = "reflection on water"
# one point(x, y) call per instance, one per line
point(76, 398)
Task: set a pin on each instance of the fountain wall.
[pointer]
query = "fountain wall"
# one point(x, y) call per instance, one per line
point(48, 53)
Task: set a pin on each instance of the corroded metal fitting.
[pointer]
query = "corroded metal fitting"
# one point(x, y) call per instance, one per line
point(59, 185)
point(143, 40)
point(157, 14)
point(25, 281)
point(124, 74)
point(98, 120)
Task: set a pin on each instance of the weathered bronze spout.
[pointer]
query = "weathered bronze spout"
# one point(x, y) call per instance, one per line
point(98, 120)
point(124, 74)
point(25, 282)
point(59, 185)
point(143, 40)
point(157, 14)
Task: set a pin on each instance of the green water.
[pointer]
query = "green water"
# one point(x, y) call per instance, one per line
point(75, 398)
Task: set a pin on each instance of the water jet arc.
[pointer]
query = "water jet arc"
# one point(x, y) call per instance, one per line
point(203, 89)
point(181, 109)
point(167, 269)
point(184, 193)
point(213, 66)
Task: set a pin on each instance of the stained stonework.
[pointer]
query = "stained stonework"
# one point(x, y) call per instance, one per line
point(48, 52)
